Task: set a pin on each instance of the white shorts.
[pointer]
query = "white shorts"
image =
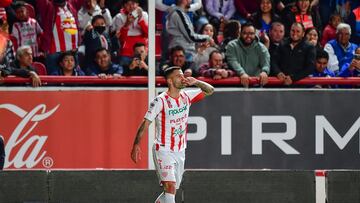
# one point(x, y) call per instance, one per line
point(169, 166)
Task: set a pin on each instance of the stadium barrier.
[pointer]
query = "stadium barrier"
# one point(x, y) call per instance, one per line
point(160, 81)
point(253, 186)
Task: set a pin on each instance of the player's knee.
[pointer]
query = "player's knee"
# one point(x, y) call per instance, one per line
point(169, 187)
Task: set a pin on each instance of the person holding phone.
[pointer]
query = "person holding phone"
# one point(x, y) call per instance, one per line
point(352, 69)
point(139, 63)
point(130, 26)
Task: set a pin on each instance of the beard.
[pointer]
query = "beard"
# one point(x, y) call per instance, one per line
point(246, 43)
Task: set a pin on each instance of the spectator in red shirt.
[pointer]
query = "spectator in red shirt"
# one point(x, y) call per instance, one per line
point(329, 32)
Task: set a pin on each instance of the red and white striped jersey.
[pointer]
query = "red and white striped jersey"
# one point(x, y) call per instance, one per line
point(171, 116)
point(26, 33)
point(65, 31)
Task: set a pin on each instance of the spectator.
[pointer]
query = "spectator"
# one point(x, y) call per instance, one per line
point(61, 32)
point(22, 66)
point(340, 50)
point(95, 38)
point(248, 57)
point(103, 67)
point(263, 18)
point(321, 70)
point(165, 6)
point(205, 48)
point(354, 22)
point(326, 9)
point(352, 69)
point(295, 58)
point(181, 30)
point(301, 12)
point(7, 55)
point(88, 11)
point(68, 66)
point(312, 36)
point(245, 8)
point(131, 26)
point(329, 32)
point(231, 31)
point(216, 68)
point(276, 37)
point(139, 63)
point(219, 11)
point(177, 58)
point(26, 30)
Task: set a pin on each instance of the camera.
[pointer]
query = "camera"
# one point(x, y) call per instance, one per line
point(357, 56)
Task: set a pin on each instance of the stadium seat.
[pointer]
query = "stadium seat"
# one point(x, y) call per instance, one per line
point(158, 46)
point(40, 68)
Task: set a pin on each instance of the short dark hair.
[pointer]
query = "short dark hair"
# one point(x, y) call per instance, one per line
point(169, 69)
point(247, 24)
point(176, 48)
point(138, 44)
point(101, 49)
point(65, 54)
point(276, 23)
point(18, 4)
point(214, 52)
point(97, 17)
point(125, 1)
point(322, 54)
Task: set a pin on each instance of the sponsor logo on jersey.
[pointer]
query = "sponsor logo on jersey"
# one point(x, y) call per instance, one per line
point(177, 111)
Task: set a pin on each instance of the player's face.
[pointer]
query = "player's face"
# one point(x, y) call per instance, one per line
point(176, 79)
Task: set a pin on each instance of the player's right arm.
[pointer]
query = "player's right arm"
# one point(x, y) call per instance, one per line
point(135, 152)
point(154, 109)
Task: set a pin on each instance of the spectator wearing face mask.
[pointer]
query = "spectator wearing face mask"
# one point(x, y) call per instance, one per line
point(96, 38)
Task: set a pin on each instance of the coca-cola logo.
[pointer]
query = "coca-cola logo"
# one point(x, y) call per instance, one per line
point(22, 137)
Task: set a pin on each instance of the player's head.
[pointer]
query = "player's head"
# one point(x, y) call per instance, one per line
point(174, 77)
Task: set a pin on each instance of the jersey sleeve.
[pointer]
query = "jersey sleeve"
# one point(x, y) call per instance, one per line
point(195, 95)
point(154, 109)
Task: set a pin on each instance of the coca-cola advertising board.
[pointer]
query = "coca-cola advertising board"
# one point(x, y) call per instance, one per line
point(71, 129)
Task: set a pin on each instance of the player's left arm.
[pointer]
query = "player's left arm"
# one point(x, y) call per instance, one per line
point(204, 86)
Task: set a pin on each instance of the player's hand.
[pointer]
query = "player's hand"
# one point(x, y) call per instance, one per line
point(136, 153)
point(189, 81)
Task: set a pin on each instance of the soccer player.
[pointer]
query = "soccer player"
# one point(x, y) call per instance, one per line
point(171, 110)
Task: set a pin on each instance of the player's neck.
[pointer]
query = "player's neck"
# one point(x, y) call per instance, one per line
point(174, 92)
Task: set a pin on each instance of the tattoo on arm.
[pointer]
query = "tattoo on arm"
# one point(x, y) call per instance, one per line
point(205, 87)
point(140, 133)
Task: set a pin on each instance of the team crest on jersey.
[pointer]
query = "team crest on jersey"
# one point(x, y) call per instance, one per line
point(169, 103)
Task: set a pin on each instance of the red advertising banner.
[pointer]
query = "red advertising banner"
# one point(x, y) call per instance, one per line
point(77, 129)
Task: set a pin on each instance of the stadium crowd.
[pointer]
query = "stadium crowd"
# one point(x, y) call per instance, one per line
point(287, 39)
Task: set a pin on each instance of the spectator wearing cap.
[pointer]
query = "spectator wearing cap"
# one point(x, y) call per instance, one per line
point(68, 66)
point(340, 50)
point(88, 11)
point(130, 26)
point(59, 20)
point(26, 30)
point(103, 67)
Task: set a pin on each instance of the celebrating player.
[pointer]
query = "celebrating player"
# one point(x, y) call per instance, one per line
point(171, 110)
